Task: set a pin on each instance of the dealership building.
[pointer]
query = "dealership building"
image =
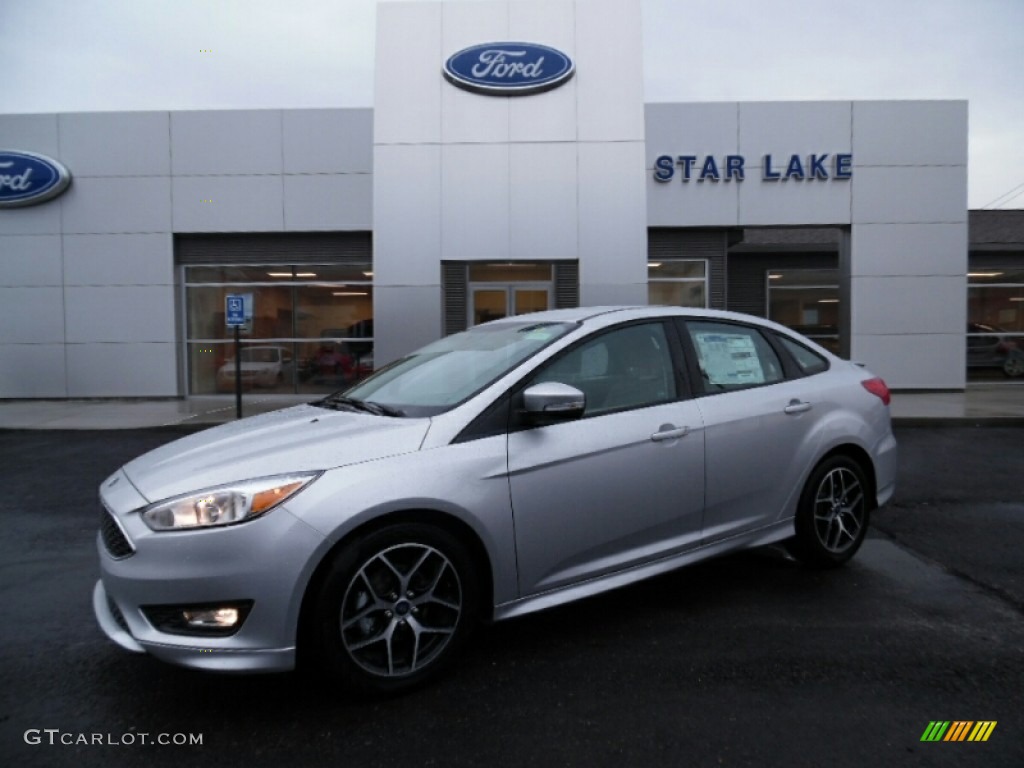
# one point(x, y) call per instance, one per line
point(509, 164)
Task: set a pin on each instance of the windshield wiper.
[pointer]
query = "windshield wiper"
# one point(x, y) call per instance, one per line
point(367, 406)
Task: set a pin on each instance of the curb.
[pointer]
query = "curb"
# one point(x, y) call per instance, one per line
point(958, 421)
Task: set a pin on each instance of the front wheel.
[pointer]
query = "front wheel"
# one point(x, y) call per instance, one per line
point(833, 513)
point(396, 607)
point(1014, 366)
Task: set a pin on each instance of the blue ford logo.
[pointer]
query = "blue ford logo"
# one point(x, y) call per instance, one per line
point(27, 178)
point(508, 69)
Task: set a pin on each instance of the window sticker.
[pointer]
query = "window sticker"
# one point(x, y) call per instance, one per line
point(729, 358)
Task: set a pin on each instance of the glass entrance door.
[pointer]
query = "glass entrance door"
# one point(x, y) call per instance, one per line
point(488, 304)
point(492, 302)
point(526, 300)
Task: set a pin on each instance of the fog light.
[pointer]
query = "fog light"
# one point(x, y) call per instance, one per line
point(207, 619)
point(221, 618)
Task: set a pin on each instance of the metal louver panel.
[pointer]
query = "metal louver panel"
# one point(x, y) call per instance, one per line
point(455, 295)
point(567, 284)
point(274, 248)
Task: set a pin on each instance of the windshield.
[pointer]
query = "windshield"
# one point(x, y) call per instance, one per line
point(447, 372)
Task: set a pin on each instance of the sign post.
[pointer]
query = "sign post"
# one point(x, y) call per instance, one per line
point(234, 316)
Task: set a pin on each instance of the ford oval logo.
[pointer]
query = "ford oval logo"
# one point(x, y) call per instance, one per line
point(27, 178)
point(508, 69)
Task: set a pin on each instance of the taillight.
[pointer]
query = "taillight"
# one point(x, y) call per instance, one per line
point(878, 388)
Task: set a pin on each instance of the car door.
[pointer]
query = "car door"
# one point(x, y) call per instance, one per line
point(623, 484)
point(760, 427)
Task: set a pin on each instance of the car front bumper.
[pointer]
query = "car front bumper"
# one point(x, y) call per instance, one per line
point(268, 561)
point(886, 456)
point(196, 656)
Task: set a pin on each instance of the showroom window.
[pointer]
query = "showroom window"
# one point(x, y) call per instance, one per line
point(311, 328)
point(677, 282)
point(806, 300)
point(995, 323)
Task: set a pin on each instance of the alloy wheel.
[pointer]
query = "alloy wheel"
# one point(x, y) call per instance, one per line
point(839, 510)
point(401, 610)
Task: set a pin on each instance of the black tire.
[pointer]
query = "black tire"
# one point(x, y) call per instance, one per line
point(395, 608)
point(833, 514)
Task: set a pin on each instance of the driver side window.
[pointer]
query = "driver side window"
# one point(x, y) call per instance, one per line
point(625, 368)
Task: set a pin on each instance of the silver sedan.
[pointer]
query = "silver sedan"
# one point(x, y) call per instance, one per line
point(522, 464)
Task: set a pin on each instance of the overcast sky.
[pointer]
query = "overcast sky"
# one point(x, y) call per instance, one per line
point(93, 55)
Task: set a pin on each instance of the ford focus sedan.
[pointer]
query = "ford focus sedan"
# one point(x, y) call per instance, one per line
point(525, 463)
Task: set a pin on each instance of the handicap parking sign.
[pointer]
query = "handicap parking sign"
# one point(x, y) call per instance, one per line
point(234, 310)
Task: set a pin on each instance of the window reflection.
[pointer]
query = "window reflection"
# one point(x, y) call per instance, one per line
point(677, 294)
point(806, 300)
point(273, 311)
point(312, 327)
point(995, 323)
point(677, 282)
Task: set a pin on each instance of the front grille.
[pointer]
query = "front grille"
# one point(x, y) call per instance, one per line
point(114, 540)
point(118, 616)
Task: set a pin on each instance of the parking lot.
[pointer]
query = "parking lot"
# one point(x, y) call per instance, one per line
point(749, 660)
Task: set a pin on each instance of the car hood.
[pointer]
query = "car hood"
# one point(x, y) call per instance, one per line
point(291, 440)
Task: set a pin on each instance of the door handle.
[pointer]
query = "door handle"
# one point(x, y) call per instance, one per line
point(795, 406)
point(668, 432)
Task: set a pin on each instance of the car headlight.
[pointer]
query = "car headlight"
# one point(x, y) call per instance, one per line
point(226, 504)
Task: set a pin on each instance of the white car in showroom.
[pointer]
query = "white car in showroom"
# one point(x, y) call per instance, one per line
point(261, 366)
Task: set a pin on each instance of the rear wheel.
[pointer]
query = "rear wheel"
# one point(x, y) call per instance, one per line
point(396, 607)
point(833, 514)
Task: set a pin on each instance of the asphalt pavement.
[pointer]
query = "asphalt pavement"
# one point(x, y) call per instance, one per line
point(960, 503)
point(749, 660)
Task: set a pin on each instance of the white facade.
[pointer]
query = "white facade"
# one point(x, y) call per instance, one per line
point(465, 177)
point(905, 205)
point(88, 303)
point(90, 297)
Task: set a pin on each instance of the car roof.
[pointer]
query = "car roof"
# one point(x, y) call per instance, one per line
point(609, 315)
point(573, 315)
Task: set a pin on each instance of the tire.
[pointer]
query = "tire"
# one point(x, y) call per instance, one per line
point(833, 514)
point(1014, 366)
point(395, 608)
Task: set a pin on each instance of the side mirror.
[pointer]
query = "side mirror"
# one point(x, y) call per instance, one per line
point(553, 401)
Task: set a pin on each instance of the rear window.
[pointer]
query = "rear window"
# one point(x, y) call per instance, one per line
point(808, 361)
